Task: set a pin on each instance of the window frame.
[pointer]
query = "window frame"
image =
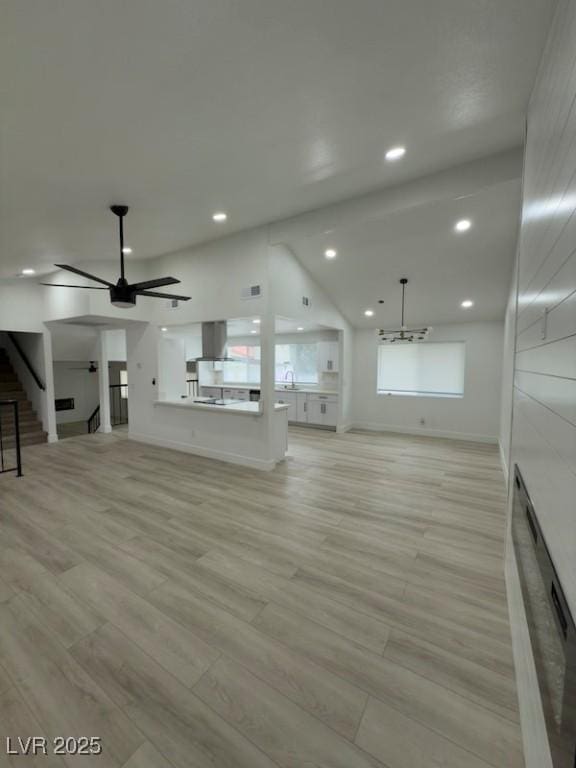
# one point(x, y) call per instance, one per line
point(423, 393)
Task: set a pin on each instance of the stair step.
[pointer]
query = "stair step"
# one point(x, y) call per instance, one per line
point(34, 438)
point(31, 431)
point(13, 394)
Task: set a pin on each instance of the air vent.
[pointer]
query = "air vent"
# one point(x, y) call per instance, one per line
point(305, 301)
point(251, 292)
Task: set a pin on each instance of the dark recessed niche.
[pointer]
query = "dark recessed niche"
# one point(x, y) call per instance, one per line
point(64, 404)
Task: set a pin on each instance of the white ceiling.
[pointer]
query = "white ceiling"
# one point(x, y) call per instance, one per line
point(419, 242)
point(263, 108)
point(244, 326)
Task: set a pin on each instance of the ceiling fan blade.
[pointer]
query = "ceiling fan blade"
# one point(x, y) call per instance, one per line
point(158, 283)
point(90, 287)
point(84, 274)
point(156, 295)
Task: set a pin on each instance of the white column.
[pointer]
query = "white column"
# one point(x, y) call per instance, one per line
point(104, 383)
point(267, 362)
point(49, 410)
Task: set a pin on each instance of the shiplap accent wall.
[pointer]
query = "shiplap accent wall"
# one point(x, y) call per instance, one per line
point(544, 424)
point(544, 413)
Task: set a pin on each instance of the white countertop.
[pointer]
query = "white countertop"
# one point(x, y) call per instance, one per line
point(304, 390)
point(247, 408)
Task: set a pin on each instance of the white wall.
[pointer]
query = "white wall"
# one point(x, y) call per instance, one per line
point(472, 417)
point(544, 417)
point(21, 306)
point(80, 385)
point(74, 342)
point(289, 283)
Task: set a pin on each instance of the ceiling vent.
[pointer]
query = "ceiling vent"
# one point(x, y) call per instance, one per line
point(251, 292)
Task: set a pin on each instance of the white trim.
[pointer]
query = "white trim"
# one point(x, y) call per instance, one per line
point(341, 428)
point(534, 736)
point(208, 453)
point(503, 461)
point(373, 426)
point(52, 437)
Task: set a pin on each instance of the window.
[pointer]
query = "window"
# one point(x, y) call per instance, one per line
point(245, 368)
point(299, 359)
point(427, 369)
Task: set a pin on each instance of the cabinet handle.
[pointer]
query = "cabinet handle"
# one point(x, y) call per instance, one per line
point(323, 408)
point(305, 407)
point(329, 365)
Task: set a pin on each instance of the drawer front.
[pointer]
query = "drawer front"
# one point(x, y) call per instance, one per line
point(323, 398)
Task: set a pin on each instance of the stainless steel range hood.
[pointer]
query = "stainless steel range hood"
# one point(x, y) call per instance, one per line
point(214, 336)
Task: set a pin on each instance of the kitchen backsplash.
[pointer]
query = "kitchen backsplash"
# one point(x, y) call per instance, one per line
point(215, 378)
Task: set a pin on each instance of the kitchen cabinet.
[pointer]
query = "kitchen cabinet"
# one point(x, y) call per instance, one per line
point(211, 392)
point(322, 410)
point(328, 356)
point(291, 399)
point(236, 394)
point(302, 407)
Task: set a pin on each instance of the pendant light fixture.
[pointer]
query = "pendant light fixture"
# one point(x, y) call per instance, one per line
point(403, 334)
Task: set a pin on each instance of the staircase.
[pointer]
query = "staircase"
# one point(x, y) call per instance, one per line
point(10, 389)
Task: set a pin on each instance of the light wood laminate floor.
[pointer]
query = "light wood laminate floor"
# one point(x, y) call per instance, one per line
point(345, 610)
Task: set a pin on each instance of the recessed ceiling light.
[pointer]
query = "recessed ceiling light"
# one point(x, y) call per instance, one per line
point(299, 328)
point(163, 329)
point(463, 225)
point(219, 216)
point(28, 271)
point(369, 312)
point(256, 321)
point(467, 303)
point(395, 153)
point(127, 250)
point(330, 253)
point(253, 331)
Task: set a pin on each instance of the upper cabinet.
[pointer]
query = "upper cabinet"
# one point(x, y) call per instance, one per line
point(328, 356)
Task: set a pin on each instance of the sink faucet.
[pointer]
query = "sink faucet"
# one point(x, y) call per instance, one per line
point(290, 373)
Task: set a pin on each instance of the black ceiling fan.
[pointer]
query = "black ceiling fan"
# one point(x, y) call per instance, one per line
point(123, 294)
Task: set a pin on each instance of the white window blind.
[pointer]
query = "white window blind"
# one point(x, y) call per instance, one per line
point(429, 369)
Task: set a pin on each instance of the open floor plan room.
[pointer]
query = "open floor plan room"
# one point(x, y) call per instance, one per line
point(288, 384)
point(347, 610)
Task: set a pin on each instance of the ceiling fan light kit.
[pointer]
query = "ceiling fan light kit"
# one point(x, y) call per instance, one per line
point(404, 334)
point(122, 294)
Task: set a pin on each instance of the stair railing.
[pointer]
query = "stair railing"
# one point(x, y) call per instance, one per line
point(5, 442)
point(118, 404)
point(26, 361)
point(94, 421)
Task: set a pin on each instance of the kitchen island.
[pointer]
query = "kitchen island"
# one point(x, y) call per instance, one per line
point(239, 432)
point(246, 407)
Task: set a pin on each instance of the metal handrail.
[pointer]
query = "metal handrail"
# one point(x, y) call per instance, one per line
point(118, 404)
point(94, 420)
point(18, 467)
point(25, 360)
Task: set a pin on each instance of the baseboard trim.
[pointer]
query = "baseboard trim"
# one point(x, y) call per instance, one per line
point(503, 461)
point(371, 426)
point(344, 428)
point(207, 453)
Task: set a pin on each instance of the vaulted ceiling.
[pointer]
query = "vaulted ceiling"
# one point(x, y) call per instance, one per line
point(260, 108)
